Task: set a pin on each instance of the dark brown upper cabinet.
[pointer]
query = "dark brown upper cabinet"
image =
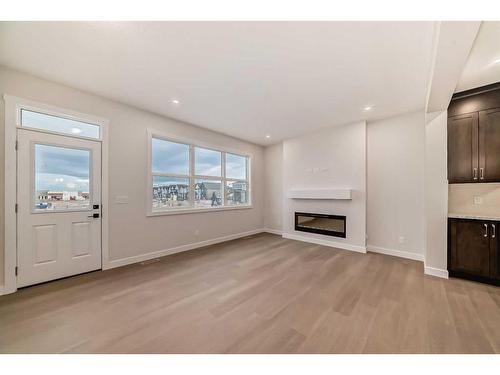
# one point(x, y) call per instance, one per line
point(489, 145)
point(463, 162)
point(474, 136)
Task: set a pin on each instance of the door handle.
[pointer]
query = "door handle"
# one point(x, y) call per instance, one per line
point(481, 173)
point(485, 230)
point(474, 174)
point(494, 233)
point(94, 216)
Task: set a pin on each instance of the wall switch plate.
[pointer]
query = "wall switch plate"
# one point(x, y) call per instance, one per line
point(478, 199)
point(121, 199)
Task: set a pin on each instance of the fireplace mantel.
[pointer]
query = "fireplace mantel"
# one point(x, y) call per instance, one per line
point(320, 194)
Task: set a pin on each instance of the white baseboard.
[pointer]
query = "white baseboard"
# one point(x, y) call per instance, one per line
point(273, 231)
point(319, 241)
point(174, 250)
point(1, 290)
point(396, 253)
point(438, 272)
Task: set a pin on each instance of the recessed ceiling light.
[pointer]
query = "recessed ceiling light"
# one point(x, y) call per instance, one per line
point(368, 108)
point(175, 101)
point(268, 136)
point(76, 130)
point(497, 61)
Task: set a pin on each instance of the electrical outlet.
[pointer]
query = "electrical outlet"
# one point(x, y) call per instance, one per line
point(401, 239)
point(196, 232)
point(478, 199)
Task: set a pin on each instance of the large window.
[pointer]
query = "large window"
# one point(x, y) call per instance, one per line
point(185, 176)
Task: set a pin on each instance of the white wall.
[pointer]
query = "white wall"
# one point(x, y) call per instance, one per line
point(395, 180)
point(131, 233)
point(436, 193)
point(273, 187)
point(331, 158)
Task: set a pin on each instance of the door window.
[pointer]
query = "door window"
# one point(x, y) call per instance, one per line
point(62, 178)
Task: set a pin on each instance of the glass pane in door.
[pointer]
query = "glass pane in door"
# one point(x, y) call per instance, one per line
point(62, 178)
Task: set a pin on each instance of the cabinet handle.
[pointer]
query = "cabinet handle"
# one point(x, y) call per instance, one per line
point(485, 230)
point(481, 173)
point(494, 231)
point(474, 173)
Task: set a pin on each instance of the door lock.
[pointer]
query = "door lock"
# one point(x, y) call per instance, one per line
point(95, 216)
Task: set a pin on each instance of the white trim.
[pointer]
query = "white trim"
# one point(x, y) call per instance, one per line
point(105, 194)
point(177, 249)
point(438, 272)
point(273, 231)
point(319, 241)
point(190, 210)
point(329, 194)
point(10, 247)
point(396, 253)
point(13, 105)
point(1, 291)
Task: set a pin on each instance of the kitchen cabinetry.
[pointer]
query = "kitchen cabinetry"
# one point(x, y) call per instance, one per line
point(474, 136)
point(473, 249)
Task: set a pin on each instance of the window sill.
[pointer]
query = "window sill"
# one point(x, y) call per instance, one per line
point(181, 211)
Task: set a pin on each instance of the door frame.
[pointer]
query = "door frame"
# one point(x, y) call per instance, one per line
point(13, 106)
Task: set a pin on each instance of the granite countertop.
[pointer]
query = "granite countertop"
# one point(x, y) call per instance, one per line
point(476, 217)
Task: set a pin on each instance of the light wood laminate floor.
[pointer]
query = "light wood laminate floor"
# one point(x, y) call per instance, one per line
point(260, 294)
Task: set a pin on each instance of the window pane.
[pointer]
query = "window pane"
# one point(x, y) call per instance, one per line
point(207, 162)
point(170, 192)
point(61, 178)
point(58, 124)
point(236, 192)
point(170, 157)
point(207, 193)
point(236, 167)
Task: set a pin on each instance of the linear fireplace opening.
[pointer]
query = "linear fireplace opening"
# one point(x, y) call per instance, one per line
point(330, 225)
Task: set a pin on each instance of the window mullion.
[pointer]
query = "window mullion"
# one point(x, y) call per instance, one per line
point(223, 179)
point(191, 175)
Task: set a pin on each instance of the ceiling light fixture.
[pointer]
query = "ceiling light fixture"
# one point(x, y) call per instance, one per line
point(268, 136)
point(76, 130)
point(497, 61)
point(368, 108)
point(175, 101)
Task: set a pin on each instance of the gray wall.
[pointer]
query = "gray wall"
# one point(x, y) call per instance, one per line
point(273, 182)
point(396, 162)
point(131, 233)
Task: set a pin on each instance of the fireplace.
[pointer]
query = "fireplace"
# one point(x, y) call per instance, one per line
point(330, 225)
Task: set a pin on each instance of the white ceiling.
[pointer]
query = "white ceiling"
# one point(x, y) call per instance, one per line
point(245, 79)
point(481, 68)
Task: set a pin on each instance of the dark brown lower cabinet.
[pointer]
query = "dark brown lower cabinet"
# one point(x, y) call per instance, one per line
point(473, 250)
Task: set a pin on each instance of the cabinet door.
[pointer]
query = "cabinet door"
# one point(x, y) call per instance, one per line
point(470, 247)
point(489, 145)
point(463, 148)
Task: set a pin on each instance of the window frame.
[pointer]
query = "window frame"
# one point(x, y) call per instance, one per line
point(193, 177)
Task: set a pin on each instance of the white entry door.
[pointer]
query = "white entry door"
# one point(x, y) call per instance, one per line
point(59, 206)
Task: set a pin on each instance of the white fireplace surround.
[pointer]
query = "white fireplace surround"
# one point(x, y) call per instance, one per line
point(325, 172)
point(344, 194)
